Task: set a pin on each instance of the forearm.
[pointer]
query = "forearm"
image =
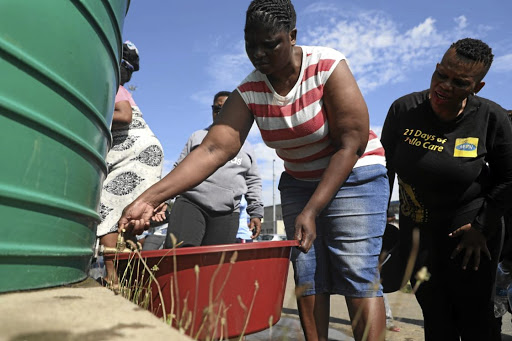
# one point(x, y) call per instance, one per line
point(255, 205)
point(488, 219)
point(496, 203)
point(499, 196)
point(186, 150)
point(120, 123)
point(253, 194)
point(122, 114)
point(255, 209)
point(337, 172)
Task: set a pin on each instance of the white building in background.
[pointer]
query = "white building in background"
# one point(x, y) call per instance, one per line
point(267, 227)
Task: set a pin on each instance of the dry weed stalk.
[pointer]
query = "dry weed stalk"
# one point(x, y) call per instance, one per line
point(152, 277)
point(214, 315)
point(196, 272)
point(209, 314)
point(175, 272)
point(412, 257)
point(270, 325)
point(256, 288)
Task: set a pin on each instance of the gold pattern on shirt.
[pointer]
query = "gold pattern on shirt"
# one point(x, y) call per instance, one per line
point(410, 206)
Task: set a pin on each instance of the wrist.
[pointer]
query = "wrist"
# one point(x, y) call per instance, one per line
point(310, 211)
point(480, 228)
point(144, 199)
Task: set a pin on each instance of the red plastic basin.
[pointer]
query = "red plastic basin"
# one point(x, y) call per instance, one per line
point(225, 298)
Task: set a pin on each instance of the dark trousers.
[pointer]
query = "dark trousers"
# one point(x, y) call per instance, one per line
point(153, 242)
point(456, 304)
point(506, 254)
point(195, 226)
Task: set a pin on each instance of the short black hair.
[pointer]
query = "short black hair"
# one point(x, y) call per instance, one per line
point(475, 50)
point(277, 15)
point(221, 94)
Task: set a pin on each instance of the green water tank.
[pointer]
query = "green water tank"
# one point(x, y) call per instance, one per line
point(59, 73)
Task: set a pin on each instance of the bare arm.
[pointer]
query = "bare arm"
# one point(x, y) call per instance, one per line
point(347, 115)
point(122, 114)
point(220, 145)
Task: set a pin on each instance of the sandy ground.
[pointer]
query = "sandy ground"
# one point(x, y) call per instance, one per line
point(406, 311)
point(86, 311)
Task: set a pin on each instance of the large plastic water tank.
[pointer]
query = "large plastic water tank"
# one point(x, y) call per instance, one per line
point(59, 74)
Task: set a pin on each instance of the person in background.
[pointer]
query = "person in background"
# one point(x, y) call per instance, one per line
point(157, 232)
point(334, 191)
point(389, 241)
point(134, 161)
point(452, 153)
point(506, 253)
point(245, 234)
point(504, 273)
point(208, 214)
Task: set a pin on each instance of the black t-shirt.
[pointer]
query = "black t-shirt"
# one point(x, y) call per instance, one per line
point(449, 172)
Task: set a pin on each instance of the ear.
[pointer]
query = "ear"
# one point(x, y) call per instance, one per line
point(479, 87)
point(293, 36)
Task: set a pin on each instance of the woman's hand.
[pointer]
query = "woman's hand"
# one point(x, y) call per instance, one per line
point(255, 227)
point(473, 241)
point(159, 212)
point(305, 231)
point(136, 217)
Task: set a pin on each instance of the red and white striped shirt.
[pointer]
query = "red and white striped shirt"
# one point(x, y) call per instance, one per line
point(296, 124)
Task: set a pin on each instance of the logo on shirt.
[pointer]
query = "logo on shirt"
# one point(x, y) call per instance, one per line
point(237, 160)
point(466, 147)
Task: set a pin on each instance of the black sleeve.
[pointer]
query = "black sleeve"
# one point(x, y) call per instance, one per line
point(499, 159)
point(388, 140)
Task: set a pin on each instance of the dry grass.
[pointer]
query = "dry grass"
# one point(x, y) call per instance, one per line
point(137, 280)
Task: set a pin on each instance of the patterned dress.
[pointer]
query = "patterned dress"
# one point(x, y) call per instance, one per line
point(134, 164)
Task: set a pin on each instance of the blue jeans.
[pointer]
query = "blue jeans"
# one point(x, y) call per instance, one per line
point(344, 257)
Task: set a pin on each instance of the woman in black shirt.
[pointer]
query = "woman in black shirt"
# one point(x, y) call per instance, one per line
point(452, 153)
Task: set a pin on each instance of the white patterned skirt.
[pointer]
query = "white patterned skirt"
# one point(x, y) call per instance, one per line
point(134, 164)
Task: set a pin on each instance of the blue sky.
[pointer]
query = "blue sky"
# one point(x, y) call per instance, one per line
point(189, 50)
